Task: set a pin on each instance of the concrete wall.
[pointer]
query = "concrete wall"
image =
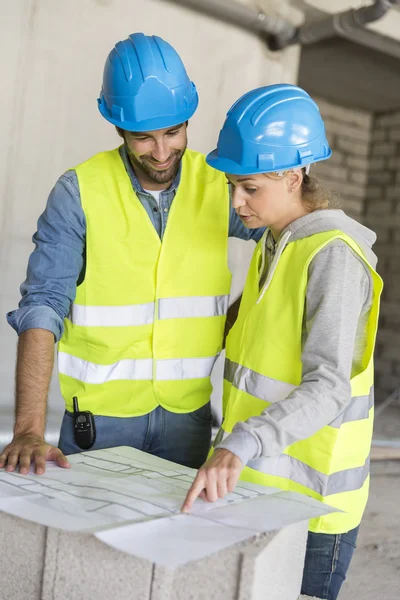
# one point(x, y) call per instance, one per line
point(53, 54)
point(58, 565)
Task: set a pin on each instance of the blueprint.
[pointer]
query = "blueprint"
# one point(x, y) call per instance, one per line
point(131, 501)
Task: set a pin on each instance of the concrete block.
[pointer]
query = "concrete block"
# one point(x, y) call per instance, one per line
point(347, 189)
point(383, 221)
point(214, 576)
point(339, 127)
point(388, 383)
point(374, 192)
point(328, 172)
point(388, 119)
point(389, 337)
point(351, 206)
point(379, 134)
point(394, 134)
point(381, 207)
point(396, 368)
point(380, 177)
point(393, 162)
point(79, 566)
point(377, 163)
point(390, 309)
point(355, 148)
point(276, 577)
point(243, 572)
point(359, 177)
point(393, 265)
point(393, 192)
point(393, 292)
point(22, 549)
point(383, 149)
point(360, 118)
point(48, 564)
point(357, 162)
point(384, 367)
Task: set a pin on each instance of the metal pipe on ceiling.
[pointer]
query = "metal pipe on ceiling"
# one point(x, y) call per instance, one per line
point(242, 16)
point(279, 33)
point(342, 24)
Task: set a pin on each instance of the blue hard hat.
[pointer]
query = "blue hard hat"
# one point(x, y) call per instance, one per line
point(272, 128)
point(145, 85)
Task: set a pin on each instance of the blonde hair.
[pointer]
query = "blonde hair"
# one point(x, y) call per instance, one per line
point(314, 196)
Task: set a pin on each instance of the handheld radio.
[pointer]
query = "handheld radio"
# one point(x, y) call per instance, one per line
point(84, 427)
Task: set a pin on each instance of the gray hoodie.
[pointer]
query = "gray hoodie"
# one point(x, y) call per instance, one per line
point(338, 300)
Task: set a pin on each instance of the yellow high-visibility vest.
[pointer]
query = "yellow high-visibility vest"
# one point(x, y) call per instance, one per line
point(147, 323)
point(264, 365)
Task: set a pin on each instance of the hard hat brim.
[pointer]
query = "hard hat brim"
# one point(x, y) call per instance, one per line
point(229, 166)
point(162, 122)
point(225, 164)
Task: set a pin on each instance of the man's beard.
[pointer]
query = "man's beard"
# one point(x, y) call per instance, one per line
point(146, 165)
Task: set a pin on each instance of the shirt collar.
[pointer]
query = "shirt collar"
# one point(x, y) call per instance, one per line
point(135, 182)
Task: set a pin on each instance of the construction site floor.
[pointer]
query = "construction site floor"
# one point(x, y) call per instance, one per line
point(375, 570)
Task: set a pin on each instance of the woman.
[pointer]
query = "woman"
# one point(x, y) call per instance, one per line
point(298, 396)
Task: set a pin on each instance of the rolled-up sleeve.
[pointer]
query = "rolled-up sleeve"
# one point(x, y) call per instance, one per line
point(56, 264)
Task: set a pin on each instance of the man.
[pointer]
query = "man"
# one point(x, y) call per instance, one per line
point(136, 296)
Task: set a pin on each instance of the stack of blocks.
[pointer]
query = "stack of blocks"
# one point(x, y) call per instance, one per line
point(57, 565)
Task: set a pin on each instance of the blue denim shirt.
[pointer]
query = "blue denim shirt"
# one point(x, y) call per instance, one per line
point(57, 265)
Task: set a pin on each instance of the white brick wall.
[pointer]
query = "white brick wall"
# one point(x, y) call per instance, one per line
point(364, 172)
point(384, 216)
point(346, 172)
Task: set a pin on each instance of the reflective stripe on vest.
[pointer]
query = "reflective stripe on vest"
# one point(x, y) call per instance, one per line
point(193, 307)
point(271, 390)
point(296, 470)
point(112, 316)
point(324, 485)
point(143, 314)
point(139, 369)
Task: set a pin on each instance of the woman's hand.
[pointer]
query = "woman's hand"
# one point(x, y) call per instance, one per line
point(218, 476)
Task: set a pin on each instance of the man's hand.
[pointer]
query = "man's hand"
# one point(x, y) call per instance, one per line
point(25, 449)
point(218, 476)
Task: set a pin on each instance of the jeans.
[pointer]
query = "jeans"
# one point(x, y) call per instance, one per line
point(327, 560)
point(181, 438)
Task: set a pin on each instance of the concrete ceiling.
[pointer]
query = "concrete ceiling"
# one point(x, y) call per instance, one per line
point(351, 75)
